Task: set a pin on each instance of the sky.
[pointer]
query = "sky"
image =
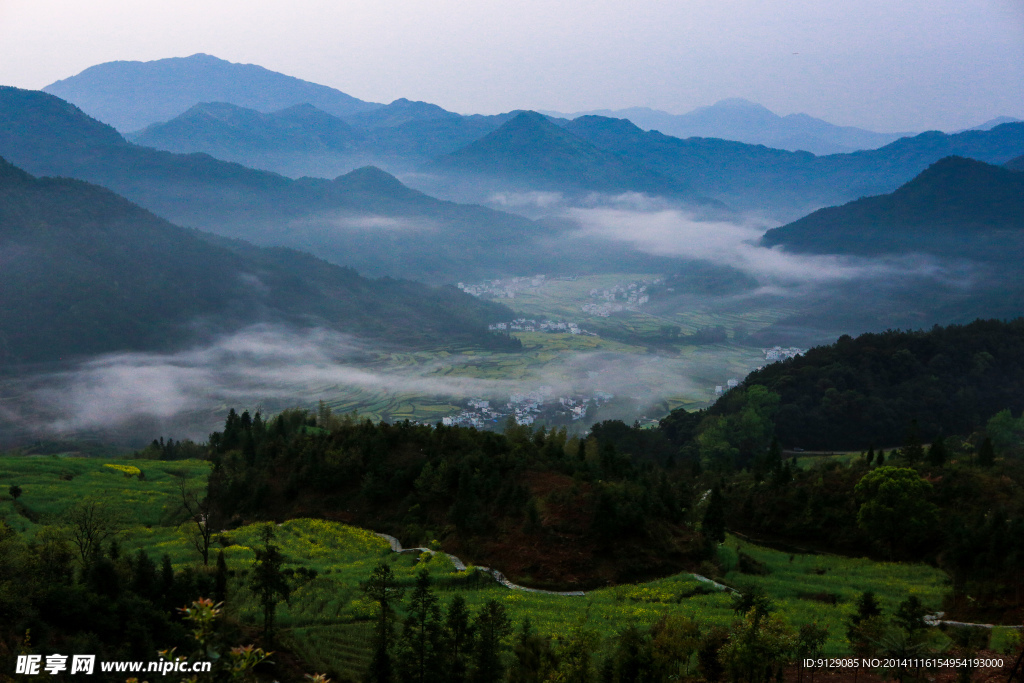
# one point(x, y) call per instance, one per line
point(888, 66)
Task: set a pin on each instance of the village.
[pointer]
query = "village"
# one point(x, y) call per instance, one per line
point(527, 408)
point(529, 325)
point(632, 294)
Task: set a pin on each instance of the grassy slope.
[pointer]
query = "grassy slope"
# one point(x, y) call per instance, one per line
point(326, 622)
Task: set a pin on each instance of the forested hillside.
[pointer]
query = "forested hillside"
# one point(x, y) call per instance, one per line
point(85, 271)
point(543, 508)
point(860, 391)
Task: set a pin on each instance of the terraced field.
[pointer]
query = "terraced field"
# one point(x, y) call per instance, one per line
point(327, 620)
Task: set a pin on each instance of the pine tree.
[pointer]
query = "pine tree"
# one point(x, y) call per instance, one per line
point(420, 658)
point(144, 579)
point(458, 640)
point(492, 626)
point(268, 582)
point(167, 581)
point(382, 589)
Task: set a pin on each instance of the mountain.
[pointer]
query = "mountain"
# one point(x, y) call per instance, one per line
point(305, 141)
point(133, 95)
point(744, 121)
point(1015, 164)
point(379, 227)
point(947, 209)
point(786, 185)
point(992, 123)
point(530, 150)
point(223, 130)
point(398, 112)
point(85, 271)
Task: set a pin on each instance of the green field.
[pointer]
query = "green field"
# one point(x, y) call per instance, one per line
point(326, 621)
point(657, 381)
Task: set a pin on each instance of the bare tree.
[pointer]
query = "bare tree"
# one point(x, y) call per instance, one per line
point(90, 523)
point(199, 529)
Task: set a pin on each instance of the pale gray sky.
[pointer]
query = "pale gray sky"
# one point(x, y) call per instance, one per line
point(888, 65)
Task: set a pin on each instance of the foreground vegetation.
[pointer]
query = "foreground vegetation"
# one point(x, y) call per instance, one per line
point(326, 563)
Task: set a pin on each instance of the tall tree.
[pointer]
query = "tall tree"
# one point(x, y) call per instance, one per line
point(458, 639)
point(492, 627)
point(382, 589)
point(196, 507)
point(713, 526)
point(90, 523)
point(268, 582)
point(895, 510)
point(421, 645)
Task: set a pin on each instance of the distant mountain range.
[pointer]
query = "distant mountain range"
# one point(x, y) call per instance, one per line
point(531, 151)
point(224, 129)
point(744, 121)
point(787, 185)
point(85, 271)
point(303, 140)
point(954, 207)
point(132, 95)
point(365, 219)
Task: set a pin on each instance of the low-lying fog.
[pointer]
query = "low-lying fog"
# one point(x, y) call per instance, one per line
point(138, 396)
point(134, 397)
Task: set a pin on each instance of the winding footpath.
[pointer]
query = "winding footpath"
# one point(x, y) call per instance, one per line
point(460, 566)
point(396, 546)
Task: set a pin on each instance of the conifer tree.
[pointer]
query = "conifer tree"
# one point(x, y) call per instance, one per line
point(268, 582)
point(492, 626)
point(458, 640)
point(382, 589)
point(420, 658)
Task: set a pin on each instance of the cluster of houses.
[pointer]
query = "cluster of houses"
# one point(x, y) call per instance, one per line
point(503, 289)
point(778, 353)
point(528, 325)
point(730, 384)
point(527, 408)
point(631, 294)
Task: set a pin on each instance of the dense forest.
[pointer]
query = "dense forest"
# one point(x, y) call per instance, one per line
point(625, 503)
point(548, 509)
point(869, 390)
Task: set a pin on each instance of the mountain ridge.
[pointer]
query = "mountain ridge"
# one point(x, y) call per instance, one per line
point(86, 271)
point(130, 95)
point(949, 204)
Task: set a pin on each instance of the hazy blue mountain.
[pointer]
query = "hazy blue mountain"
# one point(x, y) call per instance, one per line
point(398, 112)
point(365, 219)
point(305, 141)
point(992, 123)
point(1015, 164)
point(785, 184)
point(956, 207)
point(744, 121)
point(85, 271)
point(529, 150)
point(133, 95)
point(223, 129)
